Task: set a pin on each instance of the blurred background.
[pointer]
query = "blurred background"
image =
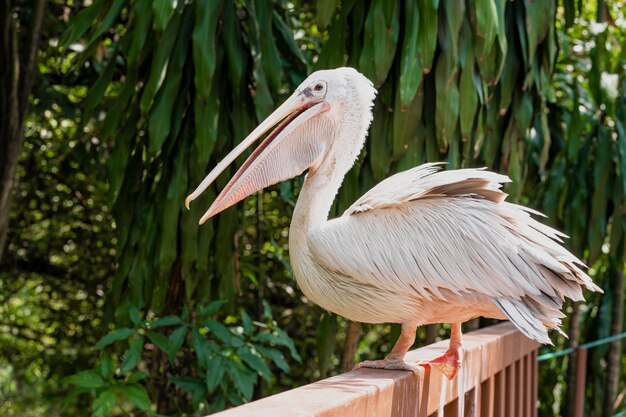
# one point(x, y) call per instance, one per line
point(114, 302)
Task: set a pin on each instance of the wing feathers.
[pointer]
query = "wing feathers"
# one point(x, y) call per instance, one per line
point(523, 316)
point(424, 231)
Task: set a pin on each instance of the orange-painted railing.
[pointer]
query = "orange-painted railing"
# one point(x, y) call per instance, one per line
point(498, 378)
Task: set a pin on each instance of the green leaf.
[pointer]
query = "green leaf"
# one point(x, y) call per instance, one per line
point(243, 379)
point(326, 341)
point(176, 340)
point(80, 23)
point(279, 337)
point(379, 152)
point(254, 361)
point(246, 322)
point(410, 65)
point(107, 369)
point(539, 14)
point(201, 346)
point(206, 123)
point(284, 339)
point(468, 96)
point(215, 370)
point(333, 52)
point(137, 376)
point(218, 405)
point(219, 330)
point(163, 11)
point(275, 355)
point(428, 27)
point(508, 79)
point(97, 90)
point(112, 13)
point(194, 385)
point(447, 100)
point(212, 308)
point(285, 36)
point(86, 379)
point(455, 12)
point(485, 21)
point(270, 56)
point(188, 383)
point(380, 41)
point(137, 395)
point(233, 46)
point(325, 12)
point(159, 123)
point(165, 321)
point(160, 62)
point(204, 45)
point(133, 313)
point(142, 14)
point(160, 340)
point(114, 336)
point(104, 403)
point(133, 355)
point(601, 173)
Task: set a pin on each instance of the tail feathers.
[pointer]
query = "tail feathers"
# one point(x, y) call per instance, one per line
point(525, 318)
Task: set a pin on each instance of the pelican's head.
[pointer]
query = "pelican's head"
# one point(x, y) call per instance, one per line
point(330, 110)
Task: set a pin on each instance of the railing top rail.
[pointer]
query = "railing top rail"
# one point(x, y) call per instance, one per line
point(370, 392)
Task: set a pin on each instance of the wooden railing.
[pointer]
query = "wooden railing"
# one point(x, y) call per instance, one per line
point(498, 378)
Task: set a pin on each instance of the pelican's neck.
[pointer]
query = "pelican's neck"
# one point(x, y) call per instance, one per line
point(321, 185)
point(317, 195)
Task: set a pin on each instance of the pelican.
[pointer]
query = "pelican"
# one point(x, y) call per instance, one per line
point(423, 246)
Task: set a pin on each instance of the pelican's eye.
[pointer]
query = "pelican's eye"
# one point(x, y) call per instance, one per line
point(318, 87)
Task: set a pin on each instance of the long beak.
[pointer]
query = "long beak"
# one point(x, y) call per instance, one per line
point(295, 111)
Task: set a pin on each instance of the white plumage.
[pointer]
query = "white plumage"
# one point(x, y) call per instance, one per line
point(423, 246)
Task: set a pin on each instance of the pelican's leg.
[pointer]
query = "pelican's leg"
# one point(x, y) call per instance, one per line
point(450, 362)
point(395, 359)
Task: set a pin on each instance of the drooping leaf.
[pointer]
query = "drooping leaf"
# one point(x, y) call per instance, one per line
point(254, 361)
point(325, 11)
point(165, 321)
point(215, 370)
point(275, 356)
point(104, 403)
point(114, 336)
point(410, 65)
point(243, 379)
point(175, 342)
point(219, 330)
point(428, 27)
point(137, 395)
point(163, 11)
point(132, 355)
point(86, 379)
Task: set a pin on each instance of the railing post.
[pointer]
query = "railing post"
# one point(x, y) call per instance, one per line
point(581, 382)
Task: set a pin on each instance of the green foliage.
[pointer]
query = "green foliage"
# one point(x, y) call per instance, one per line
point(148, 95)
point(227, 359)
point(61, 243)
point(583, 189)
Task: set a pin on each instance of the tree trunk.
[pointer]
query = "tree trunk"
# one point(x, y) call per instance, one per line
point(17, 68)
point(431, 334)
point(613, 357)
point(353, 333)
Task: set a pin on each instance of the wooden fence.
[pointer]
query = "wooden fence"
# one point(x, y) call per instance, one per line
point(498, 378)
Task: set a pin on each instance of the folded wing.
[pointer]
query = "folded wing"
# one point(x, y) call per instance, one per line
point(427, 231)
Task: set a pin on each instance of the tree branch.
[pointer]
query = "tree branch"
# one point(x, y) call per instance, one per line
point(28, 68)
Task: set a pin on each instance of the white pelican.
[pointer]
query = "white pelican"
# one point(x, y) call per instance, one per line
point(423, 246)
